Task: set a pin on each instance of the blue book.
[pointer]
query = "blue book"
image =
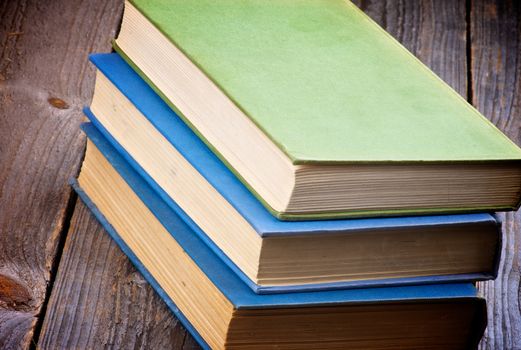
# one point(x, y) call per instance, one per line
point(268, 254)
point(220, 310)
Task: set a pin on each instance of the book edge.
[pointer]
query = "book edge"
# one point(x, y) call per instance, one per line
point(194, 129)
point(136, 262)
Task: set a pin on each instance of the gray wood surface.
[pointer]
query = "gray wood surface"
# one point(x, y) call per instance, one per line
point(97, 299)
point(44, 82)
point(495, 32)
point(100, 300)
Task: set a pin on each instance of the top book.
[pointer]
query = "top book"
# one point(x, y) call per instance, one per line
point(318, 110)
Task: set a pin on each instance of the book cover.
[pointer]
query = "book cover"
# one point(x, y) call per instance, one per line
point(325, 83)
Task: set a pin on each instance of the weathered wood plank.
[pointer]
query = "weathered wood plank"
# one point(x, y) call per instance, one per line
point(433, 30)
point(495, 29)
point(100, 300)
point(44, 82)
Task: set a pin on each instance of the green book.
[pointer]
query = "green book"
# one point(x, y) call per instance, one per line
point(318, 110)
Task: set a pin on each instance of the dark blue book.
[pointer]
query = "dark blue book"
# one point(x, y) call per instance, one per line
point(221, 311)
point(268, 254)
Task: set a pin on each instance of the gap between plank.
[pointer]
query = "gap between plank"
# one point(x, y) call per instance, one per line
point(468, 44)
point(69, 211)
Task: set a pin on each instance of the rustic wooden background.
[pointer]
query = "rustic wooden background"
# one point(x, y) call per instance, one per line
point(64, 283)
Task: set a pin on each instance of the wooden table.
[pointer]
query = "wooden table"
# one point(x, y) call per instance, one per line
point(64, 283)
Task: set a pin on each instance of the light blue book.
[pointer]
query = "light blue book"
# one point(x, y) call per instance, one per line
point(221, 311)
point(289, 256)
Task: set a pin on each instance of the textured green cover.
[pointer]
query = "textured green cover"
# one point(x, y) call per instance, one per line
point(326, 83)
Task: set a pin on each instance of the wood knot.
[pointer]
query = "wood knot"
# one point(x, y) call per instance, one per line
point(13, 294)
point(58, 103)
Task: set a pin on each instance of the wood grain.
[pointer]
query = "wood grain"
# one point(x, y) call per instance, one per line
point(100, 300)
point(44, 82)
point(495, 56)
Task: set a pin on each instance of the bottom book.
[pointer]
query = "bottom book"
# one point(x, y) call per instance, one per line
point(222, 312)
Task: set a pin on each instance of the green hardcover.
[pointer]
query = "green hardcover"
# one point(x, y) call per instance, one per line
point(312, 216)
point(326, 83)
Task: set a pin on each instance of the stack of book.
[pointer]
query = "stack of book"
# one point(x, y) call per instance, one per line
point(287, 175)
